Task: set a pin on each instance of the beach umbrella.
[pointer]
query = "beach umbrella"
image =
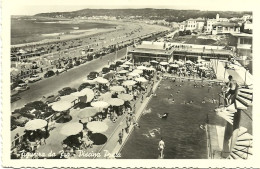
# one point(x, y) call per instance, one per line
point(141, 79)
point(129, 83)
point(123, 71)
point(128, 63)
point(22, 51)
point(61, 105)
point(138, 71)
point(124, 66)
point(71, 129)
point(69, 98)
point(203, 68)
point(117, 88)
point(87, 112)
point(125, 97)
point(115, 102)
point(134, 74)
point(146, 63)
point(174, 65)
point(179, 62)
point(89, 93)
point(150, 68)
point(141, 67)
point(89, 81)
point(105, 96)
point(101, 80)
point(100, 104)
point(35, 124)
point(97, 126)
point(154, 61)
point(164, 63)
point(189, 62)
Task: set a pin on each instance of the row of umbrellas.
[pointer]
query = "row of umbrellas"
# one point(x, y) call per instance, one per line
point(70, 128)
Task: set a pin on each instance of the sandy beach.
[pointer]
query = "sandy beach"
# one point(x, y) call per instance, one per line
point(122, 30)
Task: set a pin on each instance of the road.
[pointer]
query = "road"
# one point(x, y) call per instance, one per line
point(72, 78)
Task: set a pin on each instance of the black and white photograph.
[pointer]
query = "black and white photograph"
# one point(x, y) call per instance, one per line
point(128, 80)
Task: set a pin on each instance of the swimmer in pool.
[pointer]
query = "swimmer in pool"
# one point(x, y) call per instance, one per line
point(164, 116)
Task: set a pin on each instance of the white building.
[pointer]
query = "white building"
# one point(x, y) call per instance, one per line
point(210, 23)
point(246, 17)
point(248, 25)
point(225, 27)
point(191, 24)
point(182, 26)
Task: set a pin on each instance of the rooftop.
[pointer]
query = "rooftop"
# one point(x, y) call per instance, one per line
point(151, 45)
point(227, 24)
point(242, 35)
point(157, 48)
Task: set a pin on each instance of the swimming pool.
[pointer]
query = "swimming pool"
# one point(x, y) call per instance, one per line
point(181, 132)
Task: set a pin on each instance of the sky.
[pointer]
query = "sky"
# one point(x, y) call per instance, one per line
point(31, 7)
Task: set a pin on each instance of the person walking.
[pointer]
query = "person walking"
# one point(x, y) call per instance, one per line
point(120, 135)
point(161, 147)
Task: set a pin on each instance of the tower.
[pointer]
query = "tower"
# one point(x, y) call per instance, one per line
point(217, 17)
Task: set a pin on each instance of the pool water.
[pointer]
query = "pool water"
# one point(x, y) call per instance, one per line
point(181, 132)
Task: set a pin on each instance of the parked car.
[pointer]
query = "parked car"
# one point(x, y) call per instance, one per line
point(15, 98)
point(49, 74)
point(34, 78)
point(61, 70)
point(50, 99)
point(105, 70)
point(22, 87)
point(112, 67)
point(69, 66)
point(84, 85)
point(92, 75)
point(67, 91)
point(19, 119)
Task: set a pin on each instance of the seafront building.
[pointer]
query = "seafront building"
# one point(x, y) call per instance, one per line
point(217, 25)
point(161, 51)
point(148, 51)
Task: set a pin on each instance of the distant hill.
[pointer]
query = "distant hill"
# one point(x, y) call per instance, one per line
point(170, 15)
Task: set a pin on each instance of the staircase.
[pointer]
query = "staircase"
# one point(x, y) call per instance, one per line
point(243, 146)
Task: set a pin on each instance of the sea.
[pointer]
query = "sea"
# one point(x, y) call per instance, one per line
point(181, 132)
point(26, 30)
